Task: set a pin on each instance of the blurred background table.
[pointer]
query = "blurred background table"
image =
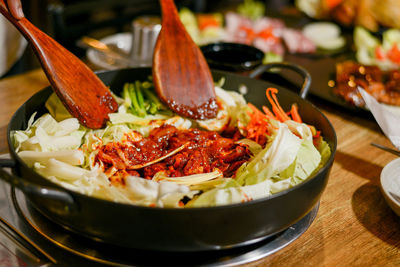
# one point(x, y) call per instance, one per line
point(354, 225)
point(68, 20)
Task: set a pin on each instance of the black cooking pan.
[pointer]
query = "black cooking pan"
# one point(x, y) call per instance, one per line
point(173, 229)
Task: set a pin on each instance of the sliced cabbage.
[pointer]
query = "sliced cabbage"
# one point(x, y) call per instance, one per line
point(325, 151)
point(55, 143)
point(273, 159)
point(307, 161)
point(72, 157)
point(46, 134)
point(227, 193)
point(281, 185)
point(64, 171)
point(92, 183)
point(179, 122)
point(300, 129)
point(276, 177)
point(254, 147)
point(149, 192)
point(233, 112)
point(193, 179)
point(119, 118)
point(18, 138)
point(260, 190)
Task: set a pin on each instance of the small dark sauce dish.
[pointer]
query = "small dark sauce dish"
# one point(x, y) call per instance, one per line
point(232, 56)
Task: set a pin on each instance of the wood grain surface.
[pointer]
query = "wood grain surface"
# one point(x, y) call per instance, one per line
point(14, 91)
point(354, 225)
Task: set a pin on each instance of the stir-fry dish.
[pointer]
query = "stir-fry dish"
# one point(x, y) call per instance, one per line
point(376, 69)
point(384, 86)
point(147, 155)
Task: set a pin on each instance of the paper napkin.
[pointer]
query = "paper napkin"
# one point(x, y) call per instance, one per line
point(387, 119)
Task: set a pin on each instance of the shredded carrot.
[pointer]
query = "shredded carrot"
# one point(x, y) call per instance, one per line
point(255, 110)
point(276, 108)
point(268, 113)
point(332, 3)
point(257, 128)
point(294, 112)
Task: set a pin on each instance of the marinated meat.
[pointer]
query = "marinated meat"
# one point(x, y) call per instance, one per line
point(267, 34)
point(199, 152)
point(385, 87)
point(393, 84)
point(297, 42)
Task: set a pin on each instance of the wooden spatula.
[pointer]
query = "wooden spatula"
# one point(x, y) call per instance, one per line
point(80, 90)
point(181, 75)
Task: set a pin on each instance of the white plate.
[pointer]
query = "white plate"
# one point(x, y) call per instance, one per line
point(390, 184)
point(122, 40)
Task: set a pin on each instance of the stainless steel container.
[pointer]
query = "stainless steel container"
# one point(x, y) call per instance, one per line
point(145, 30)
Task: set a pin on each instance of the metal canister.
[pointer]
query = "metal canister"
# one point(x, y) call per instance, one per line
point(145, 30)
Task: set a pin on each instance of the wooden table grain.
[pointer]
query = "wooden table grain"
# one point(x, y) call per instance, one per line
point(354, 225)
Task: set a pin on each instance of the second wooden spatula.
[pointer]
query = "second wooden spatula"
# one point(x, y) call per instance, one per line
point(181, 75)
point(80, 90)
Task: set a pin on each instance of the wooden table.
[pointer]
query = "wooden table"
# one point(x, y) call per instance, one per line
point(354, 225)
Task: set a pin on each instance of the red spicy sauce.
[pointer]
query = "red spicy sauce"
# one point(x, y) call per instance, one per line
point(203, 152)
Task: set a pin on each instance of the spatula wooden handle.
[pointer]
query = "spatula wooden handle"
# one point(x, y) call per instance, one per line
point(80, 90)
point(169, 10)
point(182, 78)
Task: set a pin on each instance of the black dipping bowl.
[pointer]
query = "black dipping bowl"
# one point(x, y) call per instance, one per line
point(232, 56)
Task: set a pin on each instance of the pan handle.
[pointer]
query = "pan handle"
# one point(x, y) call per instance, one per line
point(67, 202)
point(7, 163)
point(286, 65)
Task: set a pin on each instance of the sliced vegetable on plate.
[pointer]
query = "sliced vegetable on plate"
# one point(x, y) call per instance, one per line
point(370, 50)
point(325, 35)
